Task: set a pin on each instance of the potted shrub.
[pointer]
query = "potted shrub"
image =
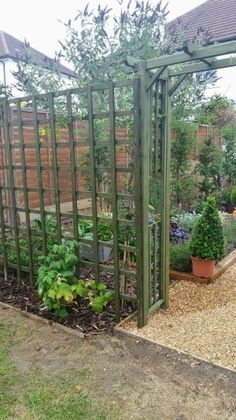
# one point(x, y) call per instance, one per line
point(233, 199)
point(207, 241)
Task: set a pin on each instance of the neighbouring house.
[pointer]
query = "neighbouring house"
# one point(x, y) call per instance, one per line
point(13, 50)
point(214, 19)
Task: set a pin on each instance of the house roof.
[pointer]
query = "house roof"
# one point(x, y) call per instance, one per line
point(217, 18)
point(12, 48)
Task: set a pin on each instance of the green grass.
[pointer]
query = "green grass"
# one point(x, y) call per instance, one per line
point(39, 395)
point(7, 375)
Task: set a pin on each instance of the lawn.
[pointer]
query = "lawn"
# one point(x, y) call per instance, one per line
point(38, 395)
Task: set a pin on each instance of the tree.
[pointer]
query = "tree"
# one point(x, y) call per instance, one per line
point(97, 43)
point(229, 153)
point(182, 181)
point(218, 110)
point(209, 167)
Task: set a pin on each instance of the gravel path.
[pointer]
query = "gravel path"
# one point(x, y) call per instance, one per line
point(201, 320)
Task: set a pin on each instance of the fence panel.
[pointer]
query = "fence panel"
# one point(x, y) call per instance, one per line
point(70, 160)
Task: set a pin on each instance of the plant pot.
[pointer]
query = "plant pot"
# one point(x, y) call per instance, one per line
point(104, 252)
point(203, 268)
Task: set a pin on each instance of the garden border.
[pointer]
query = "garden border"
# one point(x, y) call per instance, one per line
point(43, 320)
point(121, 333)
point(221, 267)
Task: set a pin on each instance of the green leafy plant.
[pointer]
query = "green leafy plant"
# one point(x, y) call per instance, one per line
point(59, 287)
point(180, 257)
point(207, 241)
point(57, 275)
point(183, 185)
point(209, 167)
point(12, 253)
point(97, 294)
point(105, 230)
point(233, 196)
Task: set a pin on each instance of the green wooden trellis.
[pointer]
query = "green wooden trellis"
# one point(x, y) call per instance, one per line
point(154, 82)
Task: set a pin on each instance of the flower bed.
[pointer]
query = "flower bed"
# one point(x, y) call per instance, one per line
point(180, 254)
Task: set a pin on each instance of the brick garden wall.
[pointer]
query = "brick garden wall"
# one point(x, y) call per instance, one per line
point(63, 158)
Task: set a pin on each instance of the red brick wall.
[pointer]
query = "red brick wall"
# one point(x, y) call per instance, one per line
point(63, 158)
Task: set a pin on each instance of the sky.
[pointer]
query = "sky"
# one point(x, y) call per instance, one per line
point(38, 22)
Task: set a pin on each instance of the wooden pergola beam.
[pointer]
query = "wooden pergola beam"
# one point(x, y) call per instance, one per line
point(197, 54)
point(199, 67)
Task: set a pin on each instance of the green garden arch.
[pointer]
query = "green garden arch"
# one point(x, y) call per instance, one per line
point(159, 78)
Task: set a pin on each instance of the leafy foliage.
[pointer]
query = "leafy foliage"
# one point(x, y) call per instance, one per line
point(98, 42)
point(217, 110)
point(58, 285)
point(209, 167)
point(230, 232)
point(105, 230)
point(37, 243)
point(228, 133)
point(233, 196)
point(57, 277)
point(182, 181)
point(207, 241)
point(180, 257)
point(185, 220)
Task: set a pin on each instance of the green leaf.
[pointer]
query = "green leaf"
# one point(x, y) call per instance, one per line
point(101, 286)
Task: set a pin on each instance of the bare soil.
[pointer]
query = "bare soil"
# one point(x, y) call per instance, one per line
point(135, 379)
point(83, 319)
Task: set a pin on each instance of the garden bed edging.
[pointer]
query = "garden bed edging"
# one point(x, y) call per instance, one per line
point(220, 268)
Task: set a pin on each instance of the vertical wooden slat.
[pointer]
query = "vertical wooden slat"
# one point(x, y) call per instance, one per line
point(25, 185)
point(138, 214)
point(39, 172)
point(12, 185)
point(150, 265)
point(73, 165)
point(55, 163)
point(93, 182)
point(165, 193)
point(114, 200)
point(145, 131)
point(156, 268)
point(3, 234)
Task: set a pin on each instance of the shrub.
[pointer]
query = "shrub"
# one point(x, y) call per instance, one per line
point(207, 241)
point(233, 196)
point(185, 220)
point(180, 257)
point(230, 232)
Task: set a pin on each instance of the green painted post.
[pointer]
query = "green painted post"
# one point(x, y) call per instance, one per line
point(114, 198)
point(145, 132)
point(165, 192)
point(11, 179)
point(25, 187)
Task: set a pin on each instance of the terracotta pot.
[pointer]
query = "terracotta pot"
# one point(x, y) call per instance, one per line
point(203, 268)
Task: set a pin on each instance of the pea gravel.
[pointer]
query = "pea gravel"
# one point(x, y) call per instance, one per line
point(201, 320)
